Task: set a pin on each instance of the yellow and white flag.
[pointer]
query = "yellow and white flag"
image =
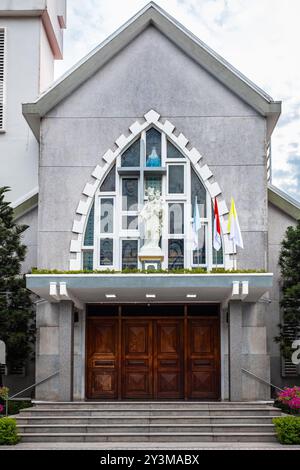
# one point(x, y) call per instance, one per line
point(233, 226)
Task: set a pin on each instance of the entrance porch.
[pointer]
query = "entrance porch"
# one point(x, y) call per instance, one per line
point(179, 352)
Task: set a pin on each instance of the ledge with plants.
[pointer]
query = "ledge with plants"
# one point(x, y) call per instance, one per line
point(159, 271)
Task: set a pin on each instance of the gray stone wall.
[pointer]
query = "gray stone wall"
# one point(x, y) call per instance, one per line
point(151, 73)
point(278, 223)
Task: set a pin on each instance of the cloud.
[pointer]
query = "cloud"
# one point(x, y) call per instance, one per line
point(259, 37)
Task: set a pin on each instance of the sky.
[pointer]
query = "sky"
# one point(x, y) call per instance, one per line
point(261, 38)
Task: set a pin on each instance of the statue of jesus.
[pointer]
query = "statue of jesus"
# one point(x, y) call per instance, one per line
point(152, 215)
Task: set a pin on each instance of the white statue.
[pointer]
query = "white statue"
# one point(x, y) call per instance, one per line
point(152, 215)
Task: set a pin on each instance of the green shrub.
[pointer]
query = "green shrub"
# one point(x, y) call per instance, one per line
point(287, 429)
point(14, 406)
point(8, 431)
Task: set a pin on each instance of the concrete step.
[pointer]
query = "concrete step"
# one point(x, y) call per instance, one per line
point(108, 419)
point(149, 437)
point(123, 412)
point(144, 428)
point(137, 405)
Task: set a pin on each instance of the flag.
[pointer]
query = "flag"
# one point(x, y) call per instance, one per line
point(217, 227)
point(196, 224)
point(233, 226)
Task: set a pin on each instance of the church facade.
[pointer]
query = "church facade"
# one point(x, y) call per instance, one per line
point(142, 135)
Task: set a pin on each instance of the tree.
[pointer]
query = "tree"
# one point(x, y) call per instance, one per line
point(16, 308)
point(289, 262)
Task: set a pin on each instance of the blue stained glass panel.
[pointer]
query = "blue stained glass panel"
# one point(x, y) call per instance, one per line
point(89, 230)
point(173, 152)
point(106, 251)
point(176, 179)
point(130, 188)
point(88, 262)
point(107, 215)
point(176, 254)
point(109, 184)
point(197, 189)
point(153, 148)
point(176, 218)
point(131, 156)
point(129, 254)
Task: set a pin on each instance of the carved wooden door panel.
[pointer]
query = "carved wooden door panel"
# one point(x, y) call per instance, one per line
point(168, 359)
point(102, 358)
point(137, 359)
point(203, 358)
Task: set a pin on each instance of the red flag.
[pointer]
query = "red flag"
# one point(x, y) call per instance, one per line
point(217, 227)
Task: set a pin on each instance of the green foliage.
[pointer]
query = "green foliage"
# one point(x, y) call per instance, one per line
point(16, 312)
point(8, 431)
point(287, 429)
point(140, 271)
point(14, 406)
point(289, 262)
point(4, 393)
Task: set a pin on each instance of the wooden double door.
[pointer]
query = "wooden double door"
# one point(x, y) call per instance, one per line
point(153, 358)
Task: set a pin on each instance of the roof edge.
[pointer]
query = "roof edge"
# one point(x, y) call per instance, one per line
point(25, 204)
point(178, 34)
point(283, 201)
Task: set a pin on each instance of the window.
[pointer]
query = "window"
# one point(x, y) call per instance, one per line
point(2, 77)
point(115, 232)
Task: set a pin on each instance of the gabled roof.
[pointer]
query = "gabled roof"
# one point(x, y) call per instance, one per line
point(152, 14)
point(283, 201)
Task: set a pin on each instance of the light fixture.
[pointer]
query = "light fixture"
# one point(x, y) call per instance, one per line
point(110, 296)
point(191, 296)
point(150, 296)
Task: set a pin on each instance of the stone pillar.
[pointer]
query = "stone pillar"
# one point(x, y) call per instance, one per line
point(66, 350)
point(235, 350)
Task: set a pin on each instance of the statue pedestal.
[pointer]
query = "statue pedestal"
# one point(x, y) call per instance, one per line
point(151, 259)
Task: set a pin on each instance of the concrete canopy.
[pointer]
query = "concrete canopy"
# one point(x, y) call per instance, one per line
point(153, 15)
point(94, 288)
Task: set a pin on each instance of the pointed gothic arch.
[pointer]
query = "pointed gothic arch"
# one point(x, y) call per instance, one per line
point(151, 119)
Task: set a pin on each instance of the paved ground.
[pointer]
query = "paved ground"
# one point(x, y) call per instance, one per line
point(150, 447)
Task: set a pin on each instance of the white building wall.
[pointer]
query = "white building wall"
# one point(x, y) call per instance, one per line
point(18, 147)
point(29, 70)
point(46, 62)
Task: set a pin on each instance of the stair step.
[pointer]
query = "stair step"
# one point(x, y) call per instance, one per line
point(140, 428)
point(107, 419)
point(151, 412)
point(149, 437)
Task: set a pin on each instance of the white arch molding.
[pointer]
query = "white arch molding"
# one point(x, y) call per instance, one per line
point(100, 172)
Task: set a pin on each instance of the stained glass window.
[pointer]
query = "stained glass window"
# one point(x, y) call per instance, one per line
point(153, 147)
point(199, 255)
point(176, 218)
point(87, 264)
point(173, 152)
point(89, 230)
point(109, 184)
point(131, 156)
point(129, 254)
point(106, 215)
point(198, 190)
point(129, 222)
point(175, 254)
point(153, 182)
point(106, 252)
point(176, 179)
point(130, 194)
point(218, 256)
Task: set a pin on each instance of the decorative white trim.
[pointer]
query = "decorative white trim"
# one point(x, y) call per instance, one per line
point(99, 173)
